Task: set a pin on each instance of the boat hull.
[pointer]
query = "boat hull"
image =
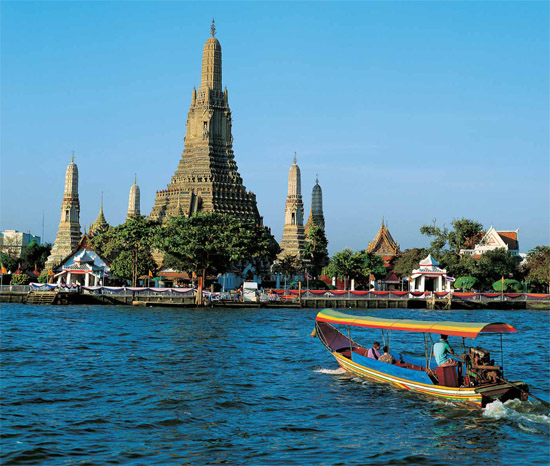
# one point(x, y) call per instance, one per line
point(461, 394)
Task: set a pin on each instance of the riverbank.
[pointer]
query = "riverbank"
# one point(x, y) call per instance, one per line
point(135, 299)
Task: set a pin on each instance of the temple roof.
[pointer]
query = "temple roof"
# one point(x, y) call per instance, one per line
point(383, 243)
point(100, 225)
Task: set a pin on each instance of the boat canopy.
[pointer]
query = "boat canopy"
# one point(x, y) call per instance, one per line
point(457, 329)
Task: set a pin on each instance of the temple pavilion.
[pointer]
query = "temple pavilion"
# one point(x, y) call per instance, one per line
point(429, 277)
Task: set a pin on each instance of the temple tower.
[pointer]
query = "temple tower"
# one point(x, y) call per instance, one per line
point(316, 217)
point(384, 245)
point(207, 179)
point(293, 231)
point(100, 225)
point(68, 232)
point(134, 200)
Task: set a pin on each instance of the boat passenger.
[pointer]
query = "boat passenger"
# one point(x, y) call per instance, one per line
point(374, 352)
point(387, 357)
point(442, 350)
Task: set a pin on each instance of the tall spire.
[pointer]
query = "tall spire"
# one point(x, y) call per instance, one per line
point(134, 200)
point(100, 225)
point(293, 231)
point(212, 63)
point(316, 216)
point(68, 233)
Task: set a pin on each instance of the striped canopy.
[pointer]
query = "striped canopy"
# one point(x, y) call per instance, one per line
point(458, 329)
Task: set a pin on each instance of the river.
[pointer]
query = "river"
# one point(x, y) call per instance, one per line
point(120, 385)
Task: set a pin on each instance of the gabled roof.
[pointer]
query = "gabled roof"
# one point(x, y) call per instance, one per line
point(383, 243)
point(505, 239)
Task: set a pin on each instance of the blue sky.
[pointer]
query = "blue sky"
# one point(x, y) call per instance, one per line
point(411, 111)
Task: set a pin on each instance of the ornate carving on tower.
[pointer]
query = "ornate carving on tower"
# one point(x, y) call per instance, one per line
point(207, 178)
point(316, 217)
point(293, 231)
point(100, 225)
point(134, 200)
point(68, 232)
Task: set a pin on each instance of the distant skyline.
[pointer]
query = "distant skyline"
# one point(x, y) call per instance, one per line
point(408, 111)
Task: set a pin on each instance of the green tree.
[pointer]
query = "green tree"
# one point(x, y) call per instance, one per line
point(43, 277)
point(508, 285)
point(207, 243)
point(290, 266)
point(316, 250)
point(8, 261)
point(458, 265)
point(495, 264)
point(348, 265)
point(538, 268)
point(463, 234)
point(20, 279)
point(128, 247)
point(35, 255)
point(408, 260)
point(465, 283)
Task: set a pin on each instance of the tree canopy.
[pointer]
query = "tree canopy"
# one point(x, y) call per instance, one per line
point(538, 268)
point(348, 265)
point(463, 235)
point(128, 247)
point(316, 250)
point(408, 260)
point(207, 243)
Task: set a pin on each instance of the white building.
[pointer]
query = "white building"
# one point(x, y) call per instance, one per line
point(83, 266)
point(12, 242)
point(429, 277)
point(493, 239)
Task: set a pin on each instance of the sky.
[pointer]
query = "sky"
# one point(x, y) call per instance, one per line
point(407, 111)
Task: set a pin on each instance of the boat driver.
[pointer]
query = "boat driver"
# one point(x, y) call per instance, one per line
point(442, 352)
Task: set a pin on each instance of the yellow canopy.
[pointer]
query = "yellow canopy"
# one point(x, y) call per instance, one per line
point(458, 329)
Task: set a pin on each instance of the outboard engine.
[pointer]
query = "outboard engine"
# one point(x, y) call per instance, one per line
point(481, 368)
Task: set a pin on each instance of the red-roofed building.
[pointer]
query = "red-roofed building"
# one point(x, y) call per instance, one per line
point(493, 239)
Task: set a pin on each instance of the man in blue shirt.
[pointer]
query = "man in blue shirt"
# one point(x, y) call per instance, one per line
point(442, 350)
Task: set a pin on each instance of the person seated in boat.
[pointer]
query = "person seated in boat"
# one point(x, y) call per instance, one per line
point(387, 357)
point(374, 352)
point(442, 352)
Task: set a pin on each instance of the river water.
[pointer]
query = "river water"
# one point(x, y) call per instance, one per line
point(120, 385)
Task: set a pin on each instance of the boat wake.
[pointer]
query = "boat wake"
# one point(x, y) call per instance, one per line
point(330, 371)
point(530, 416)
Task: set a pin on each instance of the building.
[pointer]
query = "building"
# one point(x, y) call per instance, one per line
point(207, 179)
point(383, 245)
point(429, 277)
point(83, 266)
point(134, 200)
point(293, 241)
point(316, 217)
point(68, 232)
point(493, 239)
point(100, 225)
point(12, 242)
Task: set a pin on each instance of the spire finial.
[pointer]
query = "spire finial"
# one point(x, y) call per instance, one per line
point(101, 207)
point(294, 158)
point(72, 159)
point(213, 28)
point(382, 220)
point(135, 178)
point(316, 178)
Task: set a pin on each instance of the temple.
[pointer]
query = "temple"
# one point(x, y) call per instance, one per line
point(68, 232)
point(207, 179)
point(293, 231)
point(493, 239)
point(316, 217)
point(100, 225)
point(383, 245)
point(134, 200)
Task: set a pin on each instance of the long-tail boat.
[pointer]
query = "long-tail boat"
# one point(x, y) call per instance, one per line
point(479, 380)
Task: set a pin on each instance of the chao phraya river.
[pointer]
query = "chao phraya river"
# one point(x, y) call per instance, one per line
point(120, 385)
